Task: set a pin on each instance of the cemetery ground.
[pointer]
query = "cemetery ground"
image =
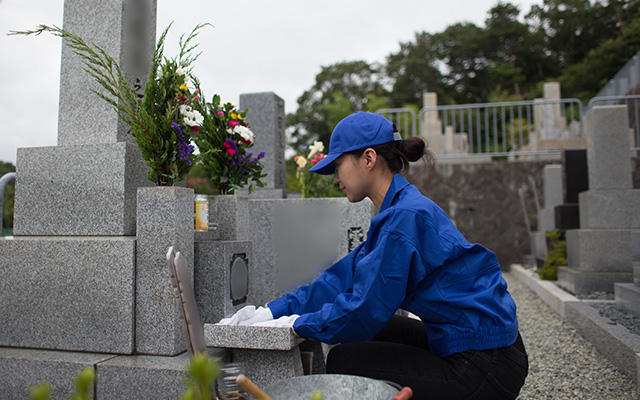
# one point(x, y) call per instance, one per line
point(562, 363)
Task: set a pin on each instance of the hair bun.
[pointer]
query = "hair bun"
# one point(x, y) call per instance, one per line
point(413, 148)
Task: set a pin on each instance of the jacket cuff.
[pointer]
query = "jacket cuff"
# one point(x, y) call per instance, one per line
point(278, 308)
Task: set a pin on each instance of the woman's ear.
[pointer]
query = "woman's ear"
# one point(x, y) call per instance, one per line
point(370, 158)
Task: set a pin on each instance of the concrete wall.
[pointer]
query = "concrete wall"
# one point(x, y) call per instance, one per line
point(482, 200)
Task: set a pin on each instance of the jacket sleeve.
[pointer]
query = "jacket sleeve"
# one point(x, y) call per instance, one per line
point(324, 289)
point(379, 287)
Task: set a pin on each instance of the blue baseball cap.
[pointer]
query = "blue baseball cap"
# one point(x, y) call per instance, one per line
point(357, 131)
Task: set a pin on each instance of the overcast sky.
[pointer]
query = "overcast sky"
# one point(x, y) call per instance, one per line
point(256, 46)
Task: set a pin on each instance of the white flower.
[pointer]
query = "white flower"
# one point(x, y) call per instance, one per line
point(244, 132)
point(180, 71)
point(301, 161)
point(191, 117)
point(316, 147)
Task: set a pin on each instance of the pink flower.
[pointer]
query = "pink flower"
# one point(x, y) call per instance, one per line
point(231, 152)
point(220, 112)
point(233, 122)
point(197, 98)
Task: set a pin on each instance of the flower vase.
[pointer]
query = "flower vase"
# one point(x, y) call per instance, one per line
point(164, 218)
point(230, 215)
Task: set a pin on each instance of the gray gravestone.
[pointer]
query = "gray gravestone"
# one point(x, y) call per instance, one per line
point(295, 239)
point(87, 184)
point(267, 120)
point(600, 253)
point(126, 30)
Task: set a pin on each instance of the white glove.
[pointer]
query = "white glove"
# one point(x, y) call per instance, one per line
point(240, 316)
point(282, 322)
point(262, 314)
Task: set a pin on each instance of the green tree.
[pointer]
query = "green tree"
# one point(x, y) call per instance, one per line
point(414, 71)
point(340, 89)
point(462, 48)
point(515, 53)
point(573, 27)
point(586, 78)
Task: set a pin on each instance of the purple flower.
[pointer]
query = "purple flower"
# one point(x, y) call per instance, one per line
point(231, 143)
point(184, 149)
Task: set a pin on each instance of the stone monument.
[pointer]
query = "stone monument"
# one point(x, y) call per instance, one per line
point(552, 196)
point(602, 251)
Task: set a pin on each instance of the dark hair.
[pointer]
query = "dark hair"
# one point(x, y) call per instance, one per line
point(399, 153)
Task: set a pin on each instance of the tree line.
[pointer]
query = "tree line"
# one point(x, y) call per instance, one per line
point(580, 43)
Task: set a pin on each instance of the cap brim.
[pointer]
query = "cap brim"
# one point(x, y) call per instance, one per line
point(325, 166)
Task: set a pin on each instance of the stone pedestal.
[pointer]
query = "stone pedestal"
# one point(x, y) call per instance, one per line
point(23, 369)
point(165, 218)
point(85, 190)
point(270, 354)
point(224, 273)
point(68, 293)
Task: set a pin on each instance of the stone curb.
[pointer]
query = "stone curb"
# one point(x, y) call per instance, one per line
point(615, 342)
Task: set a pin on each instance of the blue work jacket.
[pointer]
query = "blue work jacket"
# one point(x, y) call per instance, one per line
point(414, 258)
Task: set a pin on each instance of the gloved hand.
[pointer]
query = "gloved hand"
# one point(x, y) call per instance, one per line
point(248, 315)
point(282, 322)
point(262, 314)
point(240, 316)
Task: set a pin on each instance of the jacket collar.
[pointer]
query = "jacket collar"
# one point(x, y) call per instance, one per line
point(398, 183)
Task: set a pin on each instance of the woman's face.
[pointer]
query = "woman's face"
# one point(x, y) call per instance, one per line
point(352, 177)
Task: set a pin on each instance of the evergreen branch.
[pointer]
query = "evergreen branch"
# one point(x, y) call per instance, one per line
point(94, 58)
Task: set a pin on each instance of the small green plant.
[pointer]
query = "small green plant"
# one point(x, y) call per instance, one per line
point(203, 372)
point(83, 385)
point(556, 257)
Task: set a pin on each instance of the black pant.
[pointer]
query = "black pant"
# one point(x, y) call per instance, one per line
point(400, 353)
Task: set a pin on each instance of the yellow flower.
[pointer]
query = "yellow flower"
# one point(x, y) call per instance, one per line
point(183, 87)
point(234, 115)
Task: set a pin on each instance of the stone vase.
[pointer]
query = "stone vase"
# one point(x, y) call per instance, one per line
point(230, 215)
point(165, 217)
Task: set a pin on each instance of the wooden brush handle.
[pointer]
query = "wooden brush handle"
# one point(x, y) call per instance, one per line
point(251, 388)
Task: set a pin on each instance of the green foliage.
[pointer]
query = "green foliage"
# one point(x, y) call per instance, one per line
point(198, 180)
point(556, 257)
point(581, 43)
point(40, 392)
point(311, 184)
point(340, 89)
point(224, 141)
point(161, 120)
point(9, 196)
point(83, 385)
point(202, 373)
point(202, 376)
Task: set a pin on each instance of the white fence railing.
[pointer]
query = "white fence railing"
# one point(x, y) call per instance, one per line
point(495, 129)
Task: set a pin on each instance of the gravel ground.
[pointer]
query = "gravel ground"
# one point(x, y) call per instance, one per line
point(562, 364)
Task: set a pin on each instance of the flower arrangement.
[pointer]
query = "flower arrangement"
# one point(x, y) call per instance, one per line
point(163, 121)
point(224, 143)
point(312, 184)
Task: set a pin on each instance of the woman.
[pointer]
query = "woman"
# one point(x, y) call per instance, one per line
point(466, 343)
